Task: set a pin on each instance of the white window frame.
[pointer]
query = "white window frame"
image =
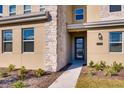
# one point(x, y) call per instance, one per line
point(122, 42)
point(42, 8)
point(10, 13)
point(78, 14)
point(27, 9)
point(3, 42)
point(23, 41)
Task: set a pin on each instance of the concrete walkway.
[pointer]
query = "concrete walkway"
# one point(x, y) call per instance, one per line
point(69, 78)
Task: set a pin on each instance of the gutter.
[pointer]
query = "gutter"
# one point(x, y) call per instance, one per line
point(24, 18)
point(97, 24)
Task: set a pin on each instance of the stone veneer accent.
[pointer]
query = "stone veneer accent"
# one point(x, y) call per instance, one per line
point(57, 39)
point(50, 28)
point(62, 39)
point(106, 15)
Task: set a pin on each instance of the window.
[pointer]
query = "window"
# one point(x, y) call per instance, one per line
point(42, 8)
point(12, 10)
point(1, 9)
point(114, 8)
point(28, 39)
point(79, 14)
point(27, 9)
point(115, 41)
point(7, 41)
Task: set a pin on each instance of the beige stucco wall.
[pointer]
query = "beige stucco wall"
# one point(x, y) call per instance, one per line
point(101, 52)
point(93, 13)
point(32, 60)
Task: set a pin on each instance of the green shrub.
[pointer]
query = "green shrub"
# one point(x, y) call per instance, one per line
point(91, 72)
point(39, 72)
point(97, 67)
point(11, 67)
point(100, 66)
point(109, 71)
point(22, 73)
point(19, 84)
point(91, 64)
point(3, 74)
point(117, 66)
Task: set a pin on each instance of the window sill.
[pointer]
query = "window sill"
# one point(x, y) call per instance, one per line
point(28, 53)
point(116, 53)
point(7, 52)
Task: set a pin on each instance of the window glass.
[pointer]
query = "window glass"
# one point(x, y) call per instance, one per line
point(42, 8)
point(114, 8)
point(27, 9)
point(115, 41)
point(79, 14)
point(12, 10)
point(7, 41)
point(28, 40)
point(7, 35)
point(1, 9)
point(115, 36)
point(28, 34)
point(115, 47)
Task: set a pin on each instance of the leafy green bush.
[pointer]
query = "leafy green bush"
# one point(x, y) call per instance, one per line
point(3, 74)
point(19, 84)
point(100, 66)
point(109, 71)
point(117, 66)
point(91, 72)
point(97, 67)
point(11, 67)
point(22, 72)
point(91, 64)
point(39, 72)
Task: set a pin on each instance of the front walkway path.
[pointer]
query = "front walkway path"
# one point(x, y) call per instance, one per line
point(69, 78)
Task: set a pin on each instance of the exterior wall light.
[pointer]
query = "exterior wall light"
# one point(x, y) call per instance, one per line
point(100, 37)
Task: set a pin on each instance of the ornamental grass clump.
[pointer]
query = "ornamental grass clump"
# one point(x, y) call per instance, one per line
point(117, 66)
point(11, 67)
point(19, 84)
point(91, 64)
point(22, 73)
point(39, 72)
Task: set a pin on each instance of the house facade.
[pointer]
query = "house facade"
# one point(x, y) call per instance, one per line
point(50, 37)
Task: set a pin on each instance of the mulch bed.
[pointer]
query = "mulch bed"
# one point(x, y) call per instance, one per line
point(31, 81)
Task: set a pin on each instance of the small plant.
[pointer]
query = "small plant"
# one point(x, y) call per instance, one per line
point(97, 67)
point(117, 66)
point(91, 64)
point(91, 72)
point(109, 71)
point(102, 65)
point(19, 84)
point(22, 72)
point(39, 72)
point(3, 74)
point(11, 67)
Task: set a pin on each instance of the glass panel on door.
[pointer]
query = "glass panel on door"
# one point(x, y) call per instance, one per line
point(79, 48)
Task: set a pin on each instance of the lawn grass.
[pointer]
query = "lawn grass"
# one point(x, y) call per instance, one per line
point(86, 81)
